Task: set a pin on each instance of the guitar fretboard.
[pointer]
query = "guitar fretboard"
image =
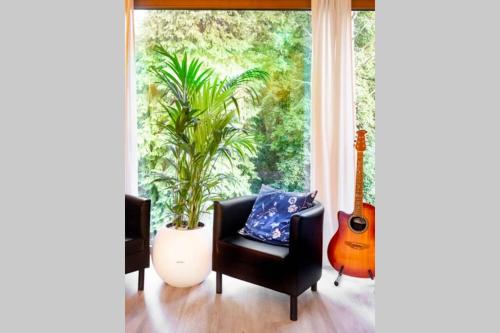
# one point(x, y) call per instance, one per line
point(358, 195)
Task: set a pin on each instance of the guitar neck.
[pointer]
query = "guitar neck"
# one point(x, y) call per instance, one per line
point(358, 195)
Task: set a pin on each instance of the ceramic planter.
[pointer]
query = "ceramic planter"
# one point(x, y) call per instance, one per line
point(181, 257)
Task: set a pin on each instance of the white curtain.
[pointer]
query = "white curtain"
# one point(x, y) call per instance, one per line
point(333, 116)
point(131, 162)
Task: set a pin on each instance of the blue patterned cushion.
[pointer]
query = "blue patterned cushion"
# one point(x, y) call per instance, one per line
point(269, 220)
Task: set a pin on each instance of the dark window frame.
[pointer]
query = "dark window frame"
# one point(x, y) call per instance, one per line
point(357, 5)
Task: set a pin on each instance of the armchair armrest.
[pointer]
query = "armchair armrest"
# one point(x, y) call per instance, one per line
point(306, 235)
point(137, 217)
point(231, 215)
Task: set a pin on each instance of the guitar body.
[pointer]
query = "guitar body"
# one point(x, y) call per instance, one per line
point(353, 245)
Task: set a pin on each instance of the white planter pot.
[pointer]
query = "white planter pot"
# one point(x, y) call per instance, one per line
point(182, 258)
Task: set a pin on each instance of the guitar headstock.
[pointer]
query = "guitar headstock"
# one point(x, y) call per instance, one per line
point(360, 141)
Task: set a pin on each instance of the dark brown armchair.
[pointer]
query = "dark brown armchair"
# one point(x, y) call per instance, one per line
point(290, 270)
point(137, 215)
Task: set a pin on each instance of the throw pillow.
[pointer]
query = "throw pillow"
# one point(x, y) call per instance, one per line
point(269, 220)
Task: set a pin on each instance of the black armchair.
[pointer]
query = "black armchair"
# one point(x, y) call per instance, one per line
point(137, 220)
point(290, 270)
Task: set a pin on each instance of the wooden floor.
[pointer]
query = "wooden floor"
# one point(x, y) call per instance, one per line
point(243, 307)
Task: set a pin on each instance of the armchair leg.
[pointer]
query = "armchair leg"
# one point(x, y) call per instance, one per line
point(218, 283)
point(314, 287)
point(293, 308)
point(141, 279)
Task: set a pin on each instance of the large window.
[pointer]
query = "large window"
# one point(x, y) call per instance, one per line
point(230, 42)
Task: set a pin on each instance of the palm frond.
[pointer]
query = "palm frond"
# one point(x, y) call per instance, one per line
point(251, 75)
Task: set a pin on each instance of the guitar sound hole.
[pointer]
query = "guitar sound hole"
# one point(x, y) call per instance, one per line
point(357, 224)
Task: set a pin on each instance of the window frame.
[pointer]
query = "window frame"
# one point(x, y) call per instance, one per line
point(357, 5)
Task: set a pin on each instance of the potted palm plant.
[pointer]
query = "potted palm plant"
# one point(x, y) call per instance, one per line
point(200, 129)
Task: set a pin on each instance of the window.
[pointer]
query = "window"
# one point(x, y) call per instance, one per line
point(364, 59)
point(231, 41)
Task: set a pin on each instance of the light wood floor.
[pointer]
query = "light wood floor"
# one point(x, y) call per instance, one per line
point(243, 307)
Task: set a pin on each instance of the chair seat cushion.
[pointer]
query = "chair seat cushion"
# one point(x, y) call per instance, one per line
point(249, 250)
point(133, 245)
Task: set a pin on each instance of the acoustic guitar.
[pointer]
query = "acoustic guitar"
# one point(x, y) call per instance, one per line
point(351, 251)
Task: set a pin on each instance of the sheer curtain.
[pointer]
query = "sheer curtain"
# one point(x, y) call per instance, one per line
point(333, 117)
point(131, 162)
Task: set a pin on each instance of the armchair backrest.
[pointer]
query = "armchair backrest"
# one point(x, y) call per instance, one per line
point(137, 217)
point(231, 215)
